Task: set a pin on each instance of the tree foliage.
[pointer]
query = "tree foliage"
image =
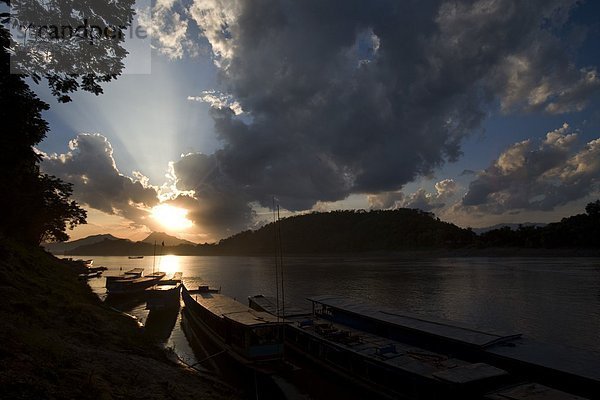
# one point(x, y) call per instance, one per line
point(35, 206)
point(74, 45)
point(577, 231)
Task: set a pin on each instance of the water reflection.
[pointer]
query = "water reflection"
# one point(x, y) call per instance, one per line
point(169, 264)
point(160, 324)
point(553, 300)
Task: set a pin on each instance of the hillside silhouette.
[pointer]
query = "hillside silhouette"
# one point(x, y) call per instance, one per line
point(368, 231)
point(332, 232)
point(161, 238)
point(352, 231)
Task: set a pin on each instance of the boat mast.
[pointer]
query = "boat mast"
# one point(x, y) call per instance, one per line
point(154, 259)
point(281, 263)
point(162, 248)
point(276, 261)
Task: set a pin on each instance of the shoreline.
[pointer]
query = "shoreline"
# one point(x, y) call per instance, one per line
point(60, 341)
point(500, 252)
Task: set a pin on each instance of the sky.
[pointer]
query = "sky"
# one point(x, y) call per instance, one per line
point(482, 112)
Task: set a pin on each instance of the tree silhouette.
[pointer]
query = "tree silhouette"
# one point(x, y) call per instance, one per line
point(34, 206)
point(593, 209)
point(74, 45)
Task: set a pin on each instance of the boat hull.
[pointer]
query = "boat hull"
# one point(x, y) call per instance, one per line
point(212, 356)
point(158, 298)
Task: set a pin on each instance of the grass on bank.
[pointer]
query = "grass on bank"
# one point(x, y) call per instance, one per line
point(57, 340)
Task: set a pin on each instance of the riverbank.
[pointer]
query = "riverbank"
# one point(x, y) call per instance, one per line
point(404, 254)
point(57, 340)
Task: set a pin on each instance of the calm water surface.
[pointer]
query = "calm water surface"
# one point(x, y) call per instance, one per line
point(552, 300)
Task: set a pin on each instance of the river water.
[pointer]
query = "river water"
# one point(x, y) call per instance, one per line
point(554, 300)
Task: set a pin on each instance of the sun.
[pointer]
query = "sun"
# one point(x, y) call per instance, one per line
point(172, 218)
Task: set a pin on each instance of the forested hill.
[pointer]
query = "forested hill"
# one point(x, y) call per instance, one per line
point(351, 231)
point(386, 230)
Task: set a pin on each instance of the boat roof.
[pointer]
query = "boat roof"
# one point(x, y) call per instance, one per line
point(269, 304)
point(135, 271)
point(233, 310)
point(399, 355)
point(531, 391)
point(444, 330)
point(177, 276)
point(163, 287)
point(141, 279)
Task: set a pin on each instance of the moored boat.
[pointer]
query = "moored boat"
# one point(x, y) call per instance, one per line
point(131, 274)
point(165, 294)
point(132, 282)
point(135, 257)
point(387, 368)
point(572, 370)
point(252, 338)
point(90, 275)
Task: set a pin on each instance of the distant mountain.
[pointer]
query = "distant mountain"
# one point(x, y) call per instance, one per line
point(121, 247)
point(62, 247)
point(479, 231)
point(125, 247)
point(160, 237)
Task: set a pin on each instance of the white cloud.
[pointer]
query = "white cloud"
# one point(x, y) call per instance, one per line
point(169, 29)
point(218, 100)
point(420, 199)
point(90, 166)
point(530, 176)
point(217, 20)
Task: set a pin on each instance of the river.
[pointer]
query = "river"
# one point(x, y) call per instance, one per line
point(554, 300)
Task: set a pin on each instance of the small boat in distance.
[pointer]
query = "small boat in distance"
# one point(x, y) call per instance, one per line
point(135, 257)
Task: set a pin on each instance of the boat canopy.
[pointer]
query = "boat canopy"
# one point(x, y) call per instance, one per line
point(230, 309)
point(444, 330)
point(135, 271)
point(269, 304)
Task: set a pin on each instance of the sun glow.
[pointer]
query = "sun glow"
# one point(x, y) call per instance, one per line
point(172, 218)
point(169, 264)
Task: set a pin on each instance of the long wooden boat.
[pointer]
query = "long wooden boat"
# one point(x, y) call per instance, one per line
point(132, 282)
point(388, 365)
point(252, 338)
point(165, 294)
point(135, 257)
point(387, 368)
point(86, 263)
point(572, 370)
point(131, 274)
point(90, 275)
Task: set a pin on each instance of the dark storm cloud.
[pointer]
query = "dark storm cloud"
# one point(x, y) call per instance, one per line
point(90, 166)
point(363, 97)
point(217, 205)
point(527, 176)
